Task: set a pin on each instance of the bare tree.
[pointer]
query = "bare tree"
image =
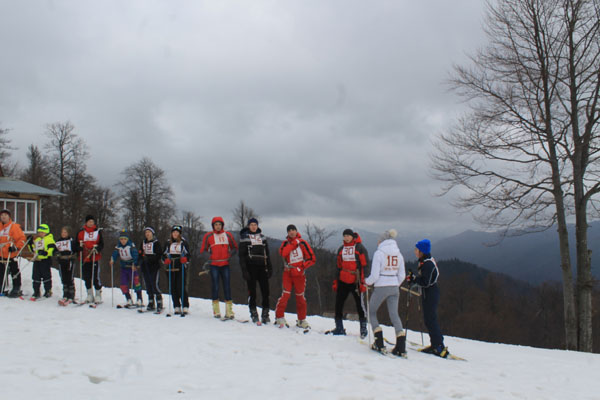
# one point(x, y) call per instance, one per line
point(6, 167)
point(527, 152)
point(37, 170)
point(193, 229)
point(241, 214)
point(147, 198)
point(316, 235)
point(103, 205)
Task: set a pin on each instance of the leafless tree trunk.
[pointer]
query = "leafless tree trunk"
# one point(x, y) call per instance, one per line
point(241, 214)
point(6, 167)
point(193, 229)
point(527, 152)
point(317, 236)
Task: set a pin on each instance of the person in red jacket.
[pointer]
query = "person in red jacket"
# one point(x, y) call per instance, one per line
point(297, 256)
point(12, 240)
point(352, 259)
point(91, 244)
point(221, 245)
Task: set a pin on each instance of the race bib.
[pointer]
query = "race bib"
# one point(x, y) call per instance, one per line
point(391, 264)
point(90, 236)
point(39, 245)
point(125, 253)
point(5, 231)
point(175, 248)
point(296, 256)
point(148, 248)
point(221, 238)
point(256, 240)
point(348, 253)
point(63, 245)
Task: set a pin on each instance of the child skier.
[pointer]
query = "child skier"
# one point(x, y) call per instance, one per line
point(352, 259)
point(43, 246)
point(67, 254)
point(387, 274)
point(126, 252)
point(91, 244)
point(12, 240)
point(427, 278)
point(255, 262)
point(221, 246)
point(151, 251)
point(176, 257)
point(297, 256)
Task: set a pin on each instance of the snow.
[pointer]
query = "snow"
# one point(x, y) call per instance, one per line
point(55, 352)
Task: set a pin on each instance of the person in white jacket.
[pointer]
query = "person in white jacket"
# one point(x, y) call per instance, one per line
point(387, 274)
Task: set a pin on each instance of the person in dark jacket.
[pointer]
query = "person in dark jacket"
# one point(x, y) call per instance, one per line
point(150, 252)
point(176, 257)
point(255, 262)
point(426, 278)
point(67, 248)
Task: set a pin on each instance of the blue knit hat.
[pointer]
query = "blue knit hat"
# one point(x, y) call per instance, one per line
point(124, 233)
point(251, 220)
point(424, 246)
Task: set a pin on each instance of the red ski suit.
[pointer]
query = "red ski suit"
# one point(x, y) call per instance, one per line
point(298, 256)
point(220, 245)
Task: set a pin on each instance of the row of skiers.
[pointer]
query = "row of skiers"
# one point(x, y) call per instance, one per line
point(386, 276)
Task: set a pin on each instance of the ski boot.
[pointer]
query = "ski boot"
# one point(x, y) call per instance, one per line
point(15, 292)
point(254, 315)
point(186, 310)
point(400, 348)
point(139, 303)
point(440, 351)
point(98, 297)
point(150, 306)
point(378, 343)
point(36, 296)
point(339, 328)
point(364, 329)
point(229, 310)
point(216, 309)
point(265, 316)
point(281, 322)
point(90, 296)
point(177, 310)
point(159, 303)
point(48, 294)
point(302, 323)
point(427, 350)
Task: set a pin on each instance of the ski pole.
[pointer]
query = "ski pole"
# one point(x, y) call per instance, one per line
point(182, 285)
point(81, 276)
point(368, 315)
point(170, 294)
point(4, 279)
point(407, 313)
point(112, 284)
point(419, 303)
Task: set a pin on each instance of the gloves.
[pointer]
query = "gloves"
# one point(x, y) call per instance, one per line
point(334, 286)
point(42, 252)
point(363, 288)
point(167, 261)
point(12, 249)
point(183, 260)
point(410, 277)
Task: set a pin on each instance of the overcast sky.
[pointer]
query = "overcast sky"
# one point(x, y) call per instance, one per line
point(307, 110)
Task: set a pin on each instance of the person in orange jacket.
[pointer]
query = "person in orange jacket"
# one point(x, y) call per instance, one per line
point(12, 240)
point(352, 259)
point(221, 245)
point(298, 256)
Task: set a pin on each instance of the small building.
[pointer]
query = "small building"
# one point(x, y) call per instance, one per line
point(24, 201)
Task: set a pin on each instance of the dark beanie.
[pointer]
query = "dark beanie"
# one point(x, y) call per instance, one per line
point(252, 220)
point(88, 217)
point(291, 227)
point(348, 232)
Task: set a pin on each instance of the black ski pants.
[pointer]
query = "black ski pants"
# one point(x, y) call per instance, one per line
point(430, 300)
point(66, 276)
point(151, 276)
point(92, 271)
point(258, 274)
point(41, 274)
point(343, 290)
point(179, 285)
point(13, 269)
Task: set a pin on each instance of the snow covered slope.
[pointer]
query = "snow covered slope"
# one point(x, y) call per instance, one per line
point(52, 352)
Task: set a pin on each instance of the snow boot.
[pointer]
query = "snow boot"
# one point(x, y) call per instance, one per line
point(98, 297)
point(186, 311)
point(254, 315)
point(378, 343)
point(302, 323)
point(339, 327)
point(281, 322)
point(150, 306)
point(90, 296)
point(177, 310)
point(364, 329)
point(139, 303)
point(229, 310)
point(216, 309)
point(265, 316)
point(400, 348)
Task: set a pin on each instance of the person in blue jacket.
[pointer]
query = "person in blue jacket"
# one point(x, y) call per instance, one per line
point(426, 278)
point(127, 254)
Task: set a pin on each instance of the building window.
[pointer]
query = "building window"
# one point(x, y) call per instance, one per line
point(24, 213)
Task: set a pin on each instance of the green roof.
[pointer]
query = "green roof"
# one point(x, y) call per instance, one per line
point(10, 185)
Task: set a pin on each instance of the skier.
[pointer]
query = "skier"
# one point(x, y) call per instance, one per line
point(12, 240)
point(176, 257)
point(127, 254)
point(151, 251)
point(426, 278)
point(67, 250)
point(91, 244)
point(255, 262)
point(352, 259)
point(297, 256)
point(387, 274)
point(43, 246)
point(221, 245)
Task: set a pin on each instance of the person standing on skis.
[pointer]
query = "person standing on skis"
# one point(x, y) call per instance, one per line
point(255, 262)
point(150, 252)
point(176, 257)
point(43, 246)
point(12, 240)
point(127, 254)
point(221, 245)
point(91, 244)
point(427, 278)
point(387, 274)
point(352, 259)
point(67, 249)
point(298, 256)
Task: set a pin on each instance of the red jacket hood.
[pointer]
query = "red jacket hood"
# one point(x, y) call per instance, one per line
point(217, 219)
